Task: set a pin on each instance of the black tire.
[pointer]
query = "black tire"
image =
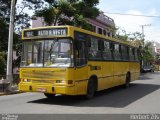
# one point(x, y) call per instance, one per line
point(152, 70)
point(91, 88)
point(128, 79)
point(50, 96)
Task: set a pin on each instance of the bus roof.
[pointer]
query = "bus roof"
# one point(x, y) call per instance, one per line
point(102, 36)
point(73, 28)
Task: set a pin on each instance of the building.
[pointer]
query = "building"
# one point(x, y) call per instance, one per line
point(102, 24)
point(157, 47)
point(158, 50)
point(15, 69)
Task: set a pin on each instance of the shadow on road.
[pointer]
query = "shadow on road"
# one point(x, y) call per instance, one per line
point(115, 97)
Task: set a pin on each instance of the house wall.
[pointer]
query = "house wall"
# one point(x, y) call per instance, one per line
point(15, 69)
point(101, 23)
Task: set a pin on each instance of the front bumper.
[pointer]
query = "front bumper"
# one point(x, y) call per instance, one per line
point(47, 88)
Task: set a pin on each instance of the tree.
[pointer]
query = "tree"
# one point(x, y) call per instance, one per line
point(5, 9)
point(21, 20)
point(157, 59)
point(137, 39)
point(3, 63)
point(68, 12)
point(148, 48)
point(3, 35)
point(121, 34)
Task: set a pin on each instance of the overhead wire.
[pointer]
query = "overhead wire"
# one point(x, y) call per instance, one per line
point(133, 14)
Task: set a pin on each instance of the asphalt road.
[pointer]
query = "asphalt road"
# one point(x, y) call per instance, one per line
point(142, 97)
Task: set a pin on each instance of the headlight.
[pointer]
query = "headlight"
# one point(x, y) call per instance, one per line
point(26, 80)
point(64, 81)
point(60, 81)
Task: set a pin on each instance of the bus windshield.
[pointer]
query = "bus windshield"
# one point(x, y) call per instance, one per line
point(47, 53)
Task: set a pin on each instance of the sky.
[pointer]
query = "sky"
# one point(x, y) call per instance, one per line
point(133, 23)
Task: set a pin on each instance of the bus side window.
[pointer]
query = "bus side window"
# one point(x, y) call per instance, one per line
point(125, 53)
point(136, 54)
point(80, 53)
point(112, 49)
point(107, 54)
point(117, 54)
point(120, 52)
point(94, 52)
point(131, 54)
point(80, 48)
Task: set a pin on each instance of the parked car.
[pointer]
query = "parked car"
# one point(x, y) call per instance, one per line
point(149, 68)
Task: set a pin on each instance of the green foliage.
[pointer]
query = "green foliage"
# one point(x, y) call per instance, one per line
point(147, 52)
point(122, 37)
point(91, 2)
point(121, 34)
point(3, 54)
point(146, 49)
point(34, 4)
point(137, 39)
point(5, 9)
point(3, 35)
point(4, 31)
point(2, 65)
point(21, 18)
point(69, 12)
point(157, 59)
point(136, 36)
point(3, 58)
point(18, 49)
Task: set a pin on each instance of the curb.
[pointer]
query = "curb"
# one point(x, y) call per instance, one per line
point(9, 93)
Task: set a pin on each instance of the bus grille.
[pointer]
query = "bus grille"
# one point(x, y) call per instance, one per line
point(42, 74)
point(42, 81)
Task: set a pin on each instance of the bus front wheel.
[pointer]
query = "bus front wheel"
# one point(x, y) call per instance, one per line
point(90, 89)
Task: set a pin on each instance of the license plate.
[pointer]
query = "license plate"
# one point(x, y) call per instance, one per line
point(41, 89)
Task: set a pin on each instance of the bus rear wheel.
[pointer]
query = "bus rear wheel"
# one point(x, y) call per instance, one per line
point(127, 81)
point(91, 87)
point(50, 96)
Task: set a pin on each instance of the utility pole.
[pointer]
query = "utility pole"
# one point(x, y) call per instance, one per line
point(10, 41)
point(143, 35)
point(143, 39)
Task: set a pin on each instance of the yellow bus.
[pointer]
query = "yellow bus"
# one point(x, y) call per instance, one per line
point(72, 61)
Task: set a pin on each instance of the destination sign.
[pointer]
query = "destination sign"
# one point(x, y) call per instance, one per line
point(45, 32)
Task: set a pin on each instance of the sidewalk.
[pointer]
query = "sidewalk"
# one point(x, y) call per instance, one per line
point(7, 88)
point(9, 85)
point(10, 93)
